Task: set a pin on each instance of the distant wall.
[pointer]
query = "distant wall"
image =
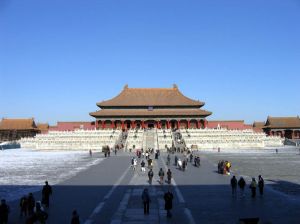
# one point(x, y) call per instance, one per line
point(230, 125)
point(71, 126)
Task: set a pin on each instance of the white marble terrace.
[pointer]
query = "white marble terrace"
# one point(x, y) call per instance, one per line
point(193, 138)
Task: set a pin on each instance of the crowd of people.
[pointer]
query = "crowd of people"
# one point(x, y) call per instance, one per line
point(241, 183)
point(224, 167)
point(33, 211)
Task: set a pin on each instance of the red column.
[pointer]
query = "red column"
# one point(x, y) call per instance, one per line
point(205, 123)
point(143, 124)
point(178, 124)
point(103, 124)
point(132, 124)
point(168, 124)
point(189, 124)
point(158, 125)
point(112, 124)
point(96, 124)
point(123, 126)
point(198, 124)
point(283, 132)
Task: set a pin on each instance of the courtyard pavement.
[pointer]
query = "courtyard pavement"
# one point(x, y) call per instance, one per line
point(110, 192)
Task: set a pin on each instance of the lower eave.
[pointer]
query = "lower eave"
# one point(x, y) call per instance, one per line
point(151, 113)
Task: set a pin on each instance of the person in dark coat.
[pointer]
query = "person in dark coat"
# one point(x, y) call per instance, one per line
point(23, 206)
point(169, 176)
point(233, 183)
point(150, 176)
point(253, 188)
point(261, 185)
point(30, 204)
point(4, 211)
point(46, 192)
point(75, 218)
point(146, 201)
point(176, 160)
point(168, 203)
point(242, 184)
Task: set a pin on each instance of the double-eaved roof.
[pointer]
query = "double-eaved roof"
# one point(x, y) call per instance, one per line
point(149, 102)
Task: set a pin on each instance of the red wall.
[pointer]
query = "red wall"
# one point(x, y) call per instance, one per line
point(231, 125)
point(71, 126)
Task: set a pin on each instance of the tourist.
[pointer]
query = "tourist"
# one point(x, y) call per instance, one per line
point(168, 203)
point(161, 175)
point(75, 218)
point(91, 153)
point(191, 157)
point(147, 155)
point(143, 166)
point(134, 164)
point(4, 211)
point(233, 183)
point(169, 176)
point(183, 165)
point(150, 176)
point(146, 201)
point(23, 206)
point(198, 161)
point(46, 192)
point(276, 150)
point(108, 152)
point(176, 160)
point(39, 214)
point(30, 204)
point(179, 162)
point(227, 167)
point(253, 188)
point(261, 185)
point(168, 159)
point(242, 184)
point(116, 151)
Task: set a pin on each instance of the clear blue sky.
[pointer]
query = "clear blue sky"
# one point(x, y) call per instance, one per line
point(59, 57)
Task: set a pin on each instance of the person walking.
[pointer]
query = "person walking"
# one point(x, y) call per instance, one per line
point(143, 166)
point(4, 211)
point(242, 184)
point(146, 201)
point(46, 192)
point(176, 160)
point(261, 185)
point(169, 176)
point(168, 203)
point(150, 176)
point(191, 157)
point(75, 218)
point(233, 183)
point(253, 188)
point(134, 164)
point(23, 206)
point(161, 175)
point(30, 204)
point(168, 159)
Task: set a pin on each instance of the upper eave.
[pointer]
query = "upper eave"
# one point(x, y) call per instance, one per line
point(154, 97)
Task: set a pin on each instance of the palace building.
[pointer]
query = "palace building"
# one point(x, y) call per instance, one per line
point(150, 108)
point(15, 129)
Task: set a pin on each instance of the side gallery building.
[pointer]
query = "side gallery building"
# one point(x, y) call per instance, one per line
point(150, 108)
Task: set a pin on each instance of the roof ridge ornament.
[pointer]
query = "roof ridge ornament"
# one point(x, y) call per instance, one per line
point(126, 86)
point(175, 86)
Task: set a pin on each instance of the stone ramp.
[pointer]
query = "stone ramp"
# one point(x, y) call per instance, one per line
point(131, 208)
